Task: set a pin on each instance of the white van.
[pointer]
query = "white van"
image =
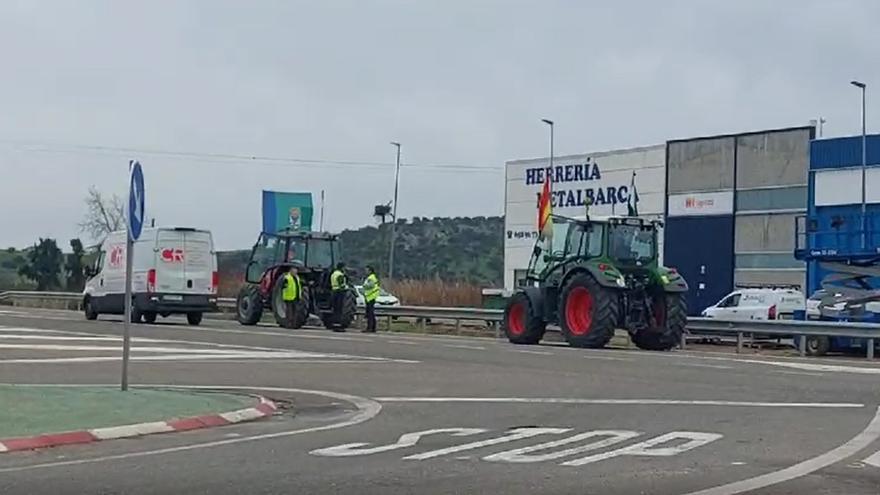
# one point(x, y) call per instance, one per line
point(757, 304)
point(174, 271)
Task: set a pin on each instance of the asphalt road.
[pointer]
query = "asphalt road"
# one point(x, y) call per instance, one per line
point(397, 414)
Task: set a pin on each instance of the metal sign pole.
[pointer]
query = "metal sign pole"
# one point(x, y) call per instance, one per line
point(126, 332)
point(134, 225)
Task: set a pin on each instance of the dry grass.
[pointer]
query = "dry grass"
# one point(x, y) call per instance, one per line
point(230, 284)
point(435, 292)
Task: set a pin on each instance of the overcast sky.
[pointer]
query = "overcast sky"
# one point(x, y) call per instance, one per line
point(459, 83)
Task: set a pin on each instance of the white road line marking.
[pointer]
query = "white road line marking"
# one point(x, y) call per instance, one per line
point(873, 460)
point(513, 435)
point(699, 365)
point(367, 409)
point(176, 353)
point(463, 346)
point(693, 439)
point(403, 342)
point(615, 402)
point(800, 373)
point(540, 353)
point(853, 446)
point(607, 358)
point(519, 455)
point(405, 440)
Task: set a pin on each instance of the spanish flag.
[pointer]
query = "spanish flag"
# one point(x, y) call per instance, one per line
point(545, 209)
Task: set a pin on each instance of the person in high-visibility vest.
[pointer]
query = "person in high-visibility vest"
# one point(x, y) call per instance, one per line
point(371, 293)
point(338, 287)
point(291, 293)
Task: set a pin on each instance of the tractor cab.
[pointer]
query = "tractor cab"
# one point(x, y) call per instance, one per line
point(630, 244)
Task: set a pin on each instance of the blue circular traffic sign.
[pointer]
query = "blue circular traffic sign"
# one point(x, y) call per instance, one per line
point(136, 201)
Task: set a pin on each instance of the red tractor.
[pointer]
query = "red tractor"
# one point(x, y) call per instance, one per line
point(317, 254)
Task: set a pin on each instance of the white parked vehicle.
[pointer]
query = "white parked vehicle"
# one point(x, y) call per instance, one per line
point(174, 271)
point(757, 304)
point(385, 298)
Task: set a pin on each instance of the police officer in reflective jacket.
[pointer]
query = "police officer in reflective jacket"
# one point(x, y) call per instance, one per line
point(291, 293)
point(371, 293)
point(338, 289)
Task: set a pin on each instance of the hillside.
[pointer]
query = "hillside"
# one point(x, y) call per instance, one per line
point(452, 249)
point(10, 261)
point(466, 250)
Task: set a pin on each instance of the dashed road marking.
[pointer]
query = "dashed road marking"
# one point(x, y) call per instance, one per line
point(103, 348)
point(539, 353)
point(464, 346)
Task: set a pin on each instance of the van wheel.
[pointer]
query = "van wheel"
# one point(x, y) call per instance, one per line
point(89, 309)
point(149, 318)
point(136, 314)
point(194, 318)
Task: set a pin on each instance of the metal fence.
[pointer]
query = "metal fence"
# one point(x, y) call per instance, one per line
point(492, 317)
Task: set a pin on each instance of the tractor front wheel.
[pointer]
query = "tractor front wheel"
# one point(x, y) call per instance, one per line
point(521, 323)
point(249, 305)
point(587, 312)
point(670, 319)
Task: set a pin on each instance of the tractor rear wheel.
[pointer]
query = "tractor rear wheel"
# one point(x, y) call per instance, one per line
point(249, 305)
point(670, 318)
point(521, 323)
point(349, 308)
point(587, 312)
point(302, 314)
point(279, 309)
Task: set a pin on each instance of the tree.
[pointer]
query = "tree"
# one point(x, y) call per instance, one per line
point(74, 266)
point(43, 264)
point(103, 214)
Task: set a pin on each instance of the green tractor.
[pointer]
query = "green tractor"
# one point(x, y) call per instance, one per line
point(597, 275)
point(316, 254)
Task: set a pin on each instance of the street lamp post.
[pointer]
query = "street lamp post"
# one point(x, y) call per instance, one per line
point(863, 87)
point(394, 213)
point(550, 123)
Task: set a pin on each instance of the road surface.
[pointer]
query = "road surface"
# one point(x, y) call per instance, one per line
point(398, 414)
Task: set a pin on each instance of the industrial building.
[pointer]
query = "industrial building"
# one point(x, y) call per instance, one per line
point(729, 202)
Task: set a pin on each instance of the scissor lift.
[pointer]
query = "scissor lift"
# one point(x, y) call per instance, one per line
point(844, 256)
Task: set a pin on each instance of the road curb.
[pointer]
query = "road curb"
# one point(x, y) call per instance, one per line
point(264, 408)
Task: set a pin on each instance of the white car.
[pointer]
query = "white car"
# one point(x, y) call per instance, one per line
point(174, 271)
point(757, 304)
point(385, 298)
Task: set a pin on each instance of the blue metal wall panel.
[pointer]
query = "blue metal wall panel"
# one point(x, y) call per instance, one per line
point(701, 249)
point(843, 152)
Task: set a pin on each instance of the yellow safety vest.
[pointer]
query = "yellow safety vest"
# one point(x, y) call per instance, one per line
point(371, 288)
point(292, 289)
point(337, 280)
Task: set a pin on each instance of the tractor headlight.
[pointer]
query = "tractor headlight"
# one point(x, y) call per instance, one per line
point(621, 282)
point(664, 279)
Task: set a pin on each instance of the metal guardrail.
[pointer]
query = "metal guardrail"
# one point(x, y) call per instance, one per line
point(787, 328)
point(699, 326)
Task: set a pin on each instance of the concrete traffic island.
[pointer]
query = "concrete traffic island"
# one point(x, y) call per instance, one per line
point(34, 417)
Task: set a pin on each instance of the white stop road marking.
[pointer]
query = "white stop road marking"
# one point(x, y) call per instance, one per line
point(666, 445)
